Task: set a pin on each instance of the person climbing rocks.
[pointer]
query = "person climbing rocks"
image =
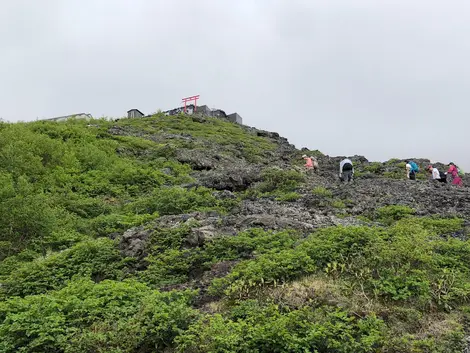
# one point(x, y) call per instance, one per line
point(411, 170)
point(308, 163)
point(436, 174)
point(346, 170)
point(315, 163)
point(454, 174)
point(311, 163)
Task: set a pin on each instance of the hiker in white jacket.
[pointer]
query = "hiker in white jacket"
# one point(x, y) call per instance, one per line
point(436, 174)
point(346, 170)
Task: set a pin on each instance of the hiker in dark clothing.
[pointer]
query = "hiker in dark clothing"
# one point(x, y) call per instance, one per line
point(346, 170)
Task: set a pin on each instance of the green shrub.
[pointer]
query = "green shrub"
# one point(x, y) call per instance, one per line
point(269, 269)
point(374, 167)
point(268, 330)
point(249, 242)
point(5, 249)
point(278, 179)
point(403, 263)
point(12, 262)
point(322, 191)
point(398, 264)
point(397, 175)
point(170, 262)
point(436, 225)
point(288, 197)
point(340, 244)
point(313, 153)
point(87, 207)
point(452, 340)
point(338, 204)
point(394, 161)
point(106, 225)
point(177, 200)
point(172, 266)
point(98, 259)
point(393, 213)
point(58, 241)
point(88, 317)
point(26, 214)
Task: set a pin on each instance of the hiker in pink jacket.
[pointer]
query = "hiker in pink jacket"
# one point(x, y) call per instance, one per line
point(454, 173)
point(311, 163)
point(308, 162)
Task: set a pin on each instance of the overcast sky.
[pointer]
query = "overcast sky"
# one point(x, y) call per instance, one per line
point(381, 78)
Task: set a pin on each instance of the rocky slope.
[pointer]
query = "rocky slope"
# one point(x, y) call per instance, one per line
point(321, 200)
point(193, 234)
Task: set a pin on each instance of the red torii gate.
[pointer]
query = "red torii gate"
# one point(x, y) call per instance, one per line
point(190, 99)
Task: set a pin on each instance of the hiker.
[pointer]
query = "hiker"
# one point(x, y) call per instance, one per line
point(311, 163)
point(315, 163)
point(346, 170)
point(436, 174)
point(411, 170)
point(454, 174)
point(308, 162)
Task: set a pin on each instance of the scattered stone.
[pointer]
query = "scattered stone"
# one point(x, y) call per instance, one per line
point(198, 119)
point(133, 242)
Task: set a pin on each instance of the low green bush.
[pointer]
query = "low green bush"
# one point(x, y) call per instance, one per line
point(275, 179)
point(88, 317)
point(393, 213)
point(288, 197)
point(338, 204)
point(177, 200)
point(170, 261)
point(397, 175)
point(322, 191)
point(249, 242)
point(269, 330)
point(97, 259)
point(172, 266)
point(373, 167)
point(394, 161)
point(436, 225)
point(404, 263)
point(267, 269)
point(106, 225)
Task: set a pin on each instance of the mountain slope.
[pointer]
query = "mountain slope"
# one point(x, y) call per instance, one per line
point(193, 234)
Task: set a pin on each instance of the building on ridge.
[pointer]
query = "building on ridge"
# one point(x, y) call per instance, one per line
point(74, 116)
point(235, 118)
point(135, 113)
point(205, 110)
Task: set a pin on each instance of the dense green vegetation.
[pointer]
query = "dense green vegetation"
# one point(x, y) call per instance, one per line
point(69, 190)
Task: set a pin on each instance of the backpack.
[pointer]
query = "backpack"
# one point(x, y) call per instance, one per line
point(460, 172)
point(414, 167)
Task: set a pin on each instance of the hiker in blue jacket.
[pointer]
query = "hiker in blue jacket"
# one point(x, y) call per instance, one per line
point(411, 170)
